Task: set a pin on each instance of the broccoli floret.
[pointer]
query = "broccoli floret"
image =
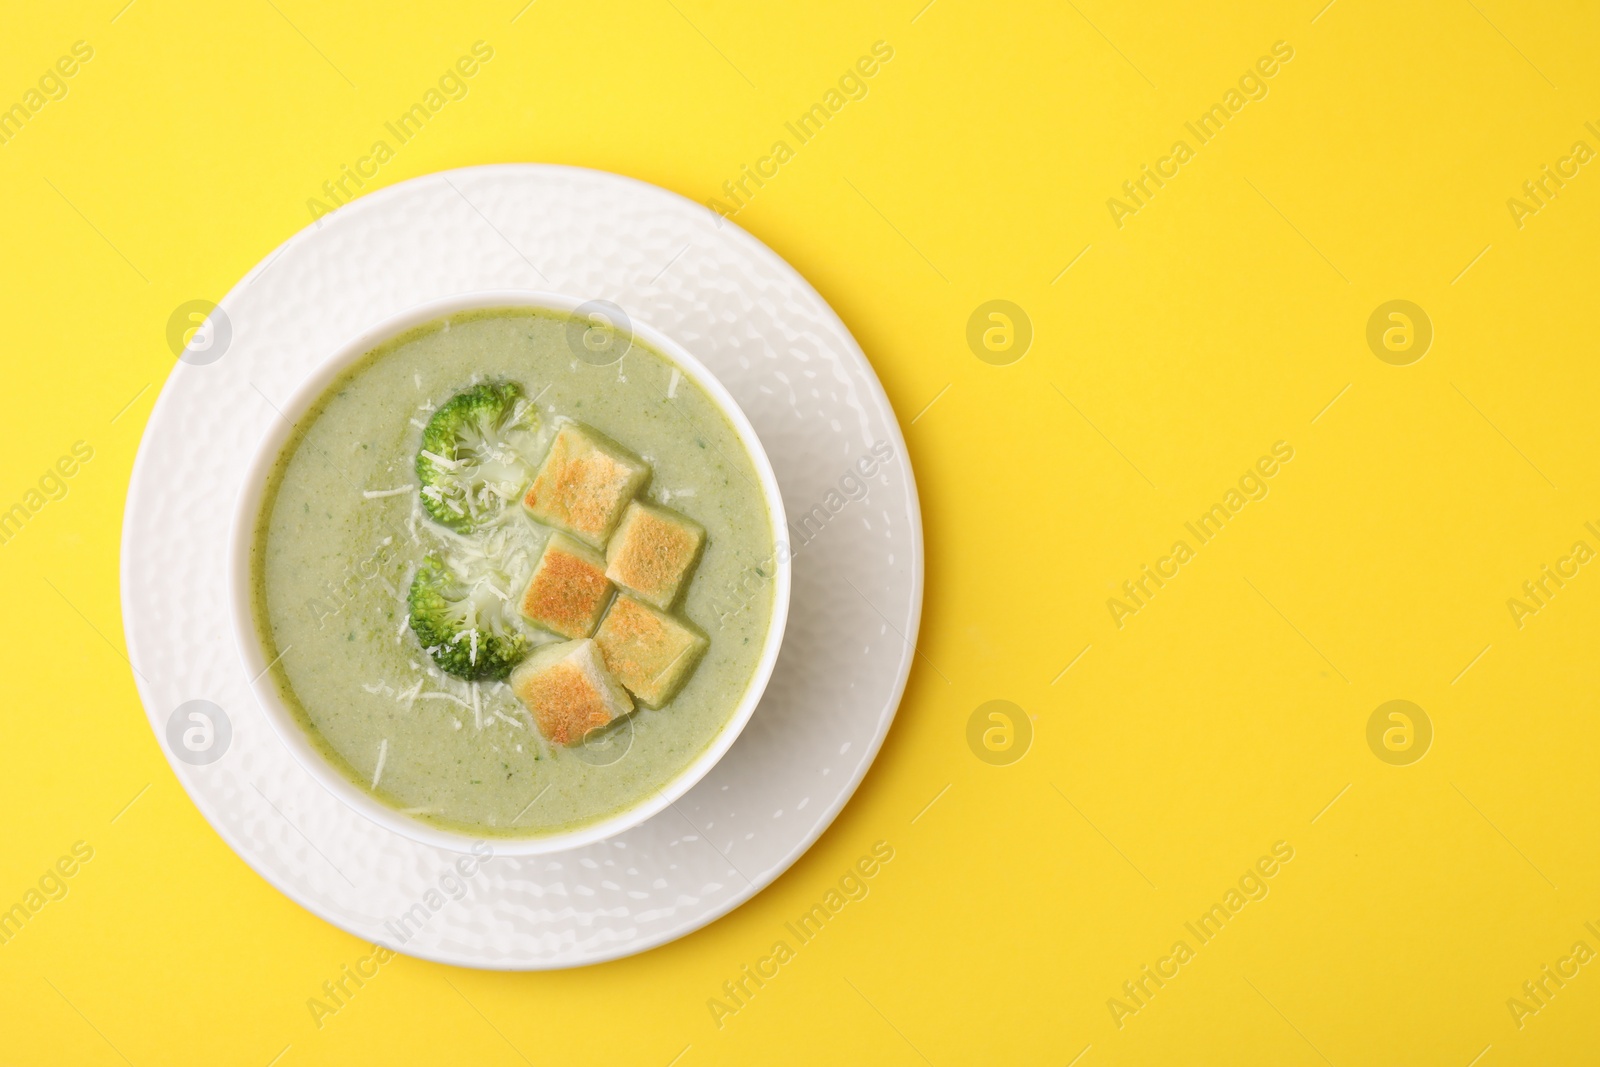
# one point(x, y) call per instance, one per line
point(476, 454)
point(465, 619)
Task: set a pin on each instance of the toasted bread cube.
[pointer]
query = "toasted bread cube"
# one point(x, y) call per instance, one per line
point(568, 589)
point(649, 651)
point(569, 691)
point(584, 483)
point(652, 552)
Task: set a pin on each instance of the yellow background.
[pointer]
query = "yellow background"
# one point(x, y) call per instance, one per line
point(1223, 717)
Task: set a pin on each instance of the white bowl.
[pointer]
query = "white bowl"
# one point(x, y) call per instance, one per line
point(294, 736)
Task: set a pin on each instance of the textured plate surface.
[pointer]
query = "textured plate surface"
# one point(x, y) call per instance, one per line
point(812, 397)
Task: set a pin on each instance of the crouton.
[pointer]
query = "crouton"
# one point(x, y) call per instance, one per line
point(652, 552)
point(649, 651)
point(569, 691)
point(568, 590)
point(584, 483)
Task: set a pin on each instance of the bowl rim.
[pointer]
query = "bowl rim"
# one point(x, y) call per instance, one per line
point(241, 537)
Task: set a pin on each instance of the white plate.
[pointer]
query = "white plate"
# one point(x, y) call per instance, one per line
point(820, 411)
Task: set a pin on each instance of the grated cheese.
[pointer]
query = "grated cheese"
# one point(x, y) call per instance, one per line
point(383, 754)
point(447, 464)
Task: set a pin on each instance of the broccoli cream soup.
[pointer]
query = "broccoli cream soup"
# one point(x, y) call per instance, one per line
point(506, 590)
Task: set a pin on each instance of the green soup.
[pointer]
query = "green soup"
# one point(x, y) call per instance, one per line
point(341, 534)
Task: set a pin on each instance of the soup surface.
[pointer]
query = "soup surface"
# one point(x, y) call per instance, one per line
point(343, 533)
